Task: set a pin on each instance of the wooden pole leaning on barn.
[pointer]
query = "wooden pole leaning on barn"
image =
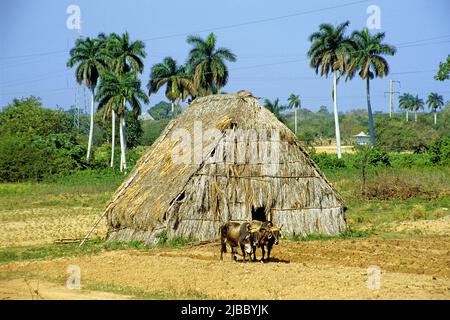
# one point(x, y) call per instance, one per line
point(108, 207)
point(93, 227)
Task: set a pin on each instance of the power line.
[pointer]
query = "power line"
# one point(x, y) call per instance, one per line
point(427, 39)
point(52, 75)
point(34, 54)
point(50, 90)
point(230, 26)
point(423, 44)
point(417, 71)
point(214, 28)
point(405, 44)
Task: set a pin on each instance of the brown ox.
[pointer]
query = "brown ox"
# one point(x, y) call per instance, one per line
point(238, 234)
point(269, 235)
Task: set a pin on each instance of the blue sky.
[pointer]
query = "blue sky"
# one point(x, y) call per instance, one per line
point(35, 41)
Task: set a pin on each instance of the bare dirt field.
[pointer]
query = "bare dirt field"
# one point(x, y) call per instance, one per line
point(332, 269)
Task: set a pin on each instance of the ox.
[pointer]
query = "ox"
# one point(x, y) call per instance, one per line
point(238, 234)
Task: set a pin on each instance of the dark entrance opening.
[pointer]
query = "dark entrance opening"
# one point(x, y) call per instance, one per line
point(259, 214)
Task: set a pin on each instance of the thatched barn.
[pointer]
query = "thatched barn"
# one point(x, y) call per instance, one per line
point(238, 162)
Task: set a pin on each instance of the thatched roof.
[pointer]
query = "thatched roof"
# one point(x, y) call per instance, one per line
point(145, 201)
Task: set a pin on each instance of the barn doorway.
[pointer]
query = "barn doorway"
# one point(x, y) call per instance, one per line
point(259, 214)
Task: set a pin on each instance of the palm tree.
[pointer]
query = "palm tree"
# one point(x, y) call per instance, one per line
point(405, 102)
point(294, 102)
point(177, 81)
point(368, 59)
point(128, 56)
point(91, 59)
point(119, 89)
point(207, 64)
point(416, 105)
point(275, 108)
point(329, 52)
point(435, 101)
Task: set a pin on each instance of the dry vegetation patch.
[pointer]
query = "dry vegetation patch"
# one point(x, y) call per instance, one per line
point(389, 188)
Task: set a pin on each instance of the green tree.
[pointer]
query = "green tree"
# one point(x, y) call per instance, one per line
point(405, 102)
point(207, 64)
point(161, 110)
point(26, 117)
point(120, 89)
point(435, 101)
point(91, 58)
point(367, 58)
point(416, 105)
point(36, 142)
point(444, 70)
point(127, 56)
point(174, 77)
point(275, 108)
point(329, 52)
point(294, 102)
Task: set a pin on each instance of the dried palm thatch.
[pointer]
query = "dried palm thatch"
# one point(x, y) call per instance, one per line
point(229, 177)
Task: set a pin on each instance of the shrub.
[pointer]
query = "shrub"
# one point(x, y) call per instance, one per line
point(152, 130)
point(398, 135)
point(439, 151)
point(102, 156)
point(409, 160)
point(24, 158)
point(378, 157)
point(26, 117)
point(327, 161)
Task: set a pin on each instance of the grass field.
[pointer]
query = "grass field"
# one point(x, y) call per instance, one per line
point(407, 238)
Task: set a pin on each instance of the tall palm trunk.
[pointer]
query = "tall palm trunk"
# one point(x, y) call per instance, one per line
point(336, 116)
point(173, 107)
point(91, 127)
point(369, 110)
point(113, 136)
point(123, 144)
point(435, 117)
point(415, 116)
point(407, 116)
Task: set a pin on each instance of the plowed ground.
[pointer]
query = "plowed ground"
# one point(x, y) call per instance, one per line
point(333, 269)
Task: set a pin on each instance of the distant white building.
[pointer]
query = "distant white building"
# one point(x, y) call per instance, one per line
point(145, 117)
point(361, 138)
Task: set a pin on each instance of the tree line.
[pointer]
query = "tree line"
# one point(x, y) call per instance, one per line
point(109, 66)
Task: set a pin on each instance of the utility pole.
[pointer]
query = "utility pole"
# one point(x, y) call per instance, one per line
point(391, 100)
point(391, 96)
